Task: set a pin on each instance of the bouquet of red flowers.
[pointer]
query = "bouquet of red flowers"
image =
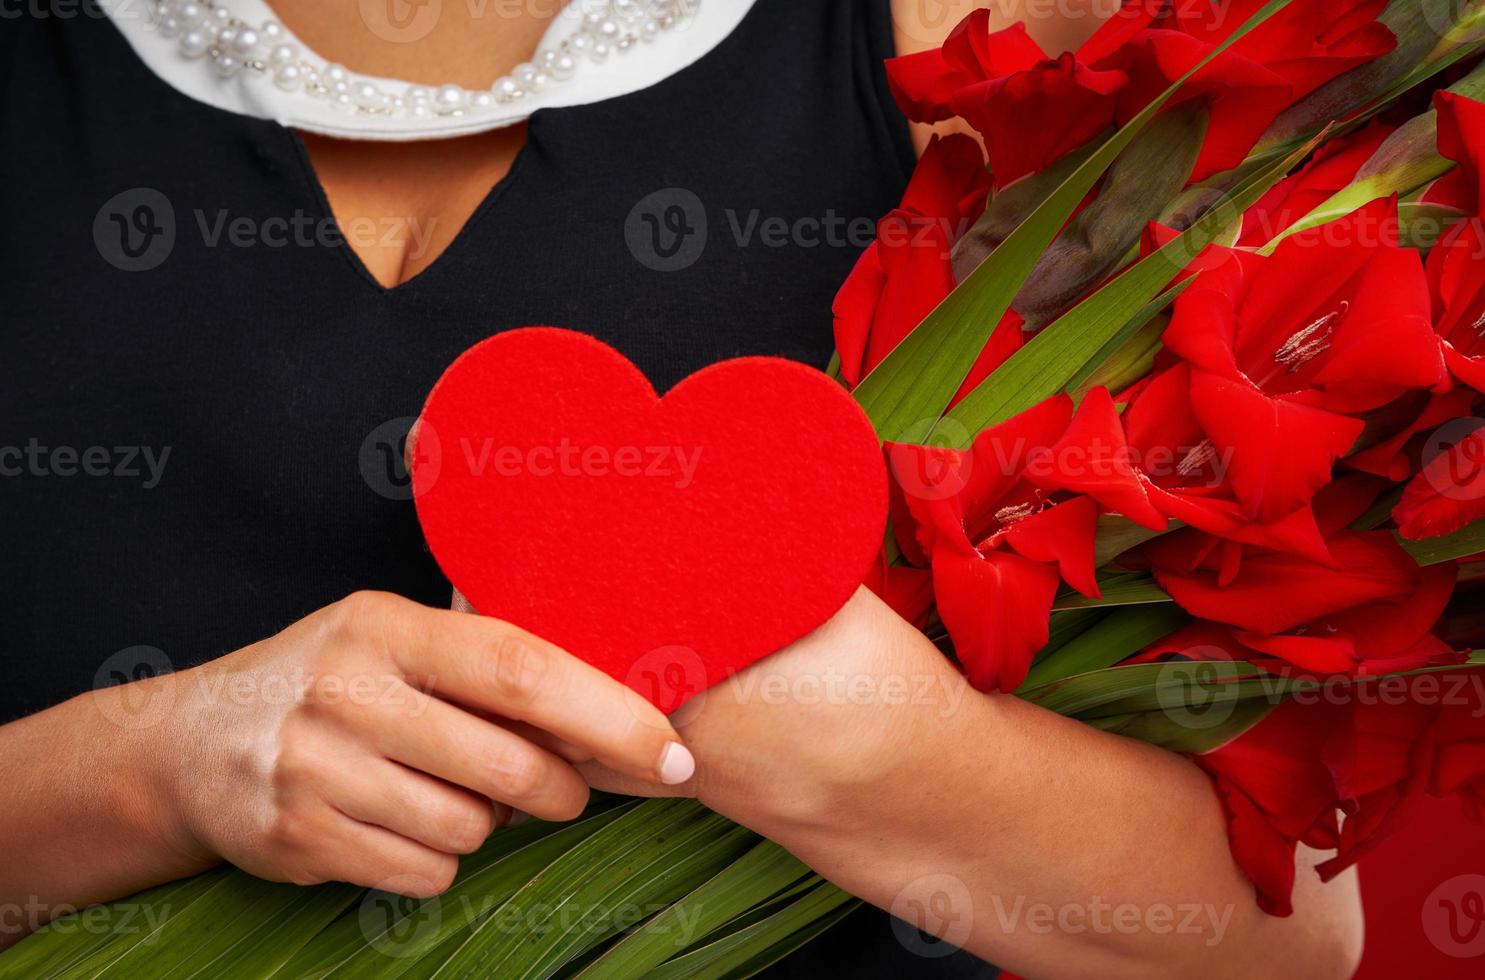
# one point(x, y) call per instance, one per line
point(1178, 371)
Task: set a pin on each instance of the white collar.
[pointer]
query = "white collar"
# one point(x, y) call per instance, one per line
point(253, 94)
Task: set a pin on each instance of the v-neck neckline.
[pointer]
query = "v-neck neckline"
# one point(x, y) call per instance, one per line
point(327, 213)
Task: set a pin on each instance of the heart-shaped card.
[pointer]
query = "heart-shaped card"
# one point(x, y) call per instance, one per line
point(669, 541)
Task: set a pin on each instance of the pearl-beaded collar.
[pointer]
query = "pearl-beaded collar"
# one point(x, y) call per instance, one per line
point(235, 55)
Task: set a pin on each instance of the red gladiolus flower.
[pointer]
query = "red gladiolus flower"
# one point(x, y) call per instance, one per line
point(1456, 266)
point(1456, 271)
point(1274, 593)
point(1002, 524)
point(1448, 494)
point(1365, 608)
point(1390, 753)
point(998, 82)
point(1461, 134)
point(1332, 169)
point(907, 271)
point(1370, 752)
point(1284, 352)
point(1370, 639)
point(1291, 55)
point(1277, 793)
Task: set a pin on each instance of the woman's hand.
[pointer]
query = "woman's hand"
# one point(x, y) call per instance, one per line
point(864, 752)
point(382, 762)
point(372, 742)
point(808, 738)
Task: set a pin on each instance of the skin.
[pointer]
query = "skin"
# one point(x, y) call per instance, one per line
point(860, 748)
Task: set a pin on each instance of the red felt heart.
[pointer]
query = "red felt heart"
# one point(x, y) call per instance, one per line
point(669, 541)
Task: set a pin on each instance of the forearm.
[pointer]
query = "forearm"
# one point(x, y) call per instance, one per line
point(1053, 849)
point(85, 817)
point(885, 772)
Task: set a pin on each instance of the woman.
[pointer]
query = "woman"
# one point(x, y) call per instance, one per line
point(233, 268)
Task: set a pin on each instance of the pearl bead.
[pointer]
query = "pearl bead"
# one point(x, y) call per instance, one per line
point(288, 77)
point(366, 94)
point(193, 43)
point(245, 41)
point(528, 77)
point(604, 29)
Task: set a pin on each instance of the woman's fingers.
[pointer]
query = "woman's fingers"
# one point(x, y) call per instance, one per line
point(414, 805)
point(498, 668)
point(450, 743)
point(374, 857)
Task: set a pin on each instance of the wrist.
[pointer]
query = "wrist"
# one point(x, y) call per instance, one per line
point(875, 722)
point(147, 778)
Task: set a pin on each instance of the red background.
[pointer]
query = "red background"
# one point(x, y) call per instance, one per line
point(1396, 883)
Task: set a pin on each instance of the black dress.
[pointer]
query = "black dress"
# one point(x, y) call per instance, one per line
point(199, 438)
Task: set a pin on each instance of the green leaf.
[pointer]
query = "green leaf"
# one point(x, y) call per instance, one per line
point(1084, 694)
point(1116, 638)
point(1116, 589)
point(1468, 540)
point(739, 954)
point(389, 934)
point(1117, 534)
point(1129, 355)
point(1058, 356)
point(1067, 626)
point(1176, 734)
point(102, 933)
point(263, 923)
point(754, 878)
point(643, 861)
point(915, 381)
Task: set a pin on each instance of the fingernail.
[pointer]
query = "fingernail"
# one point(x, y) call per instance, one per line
point(517, 817)
point(676, 764)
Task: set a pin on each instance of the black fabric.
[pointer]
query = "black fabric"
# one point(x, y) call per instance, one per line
point(278, 378)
